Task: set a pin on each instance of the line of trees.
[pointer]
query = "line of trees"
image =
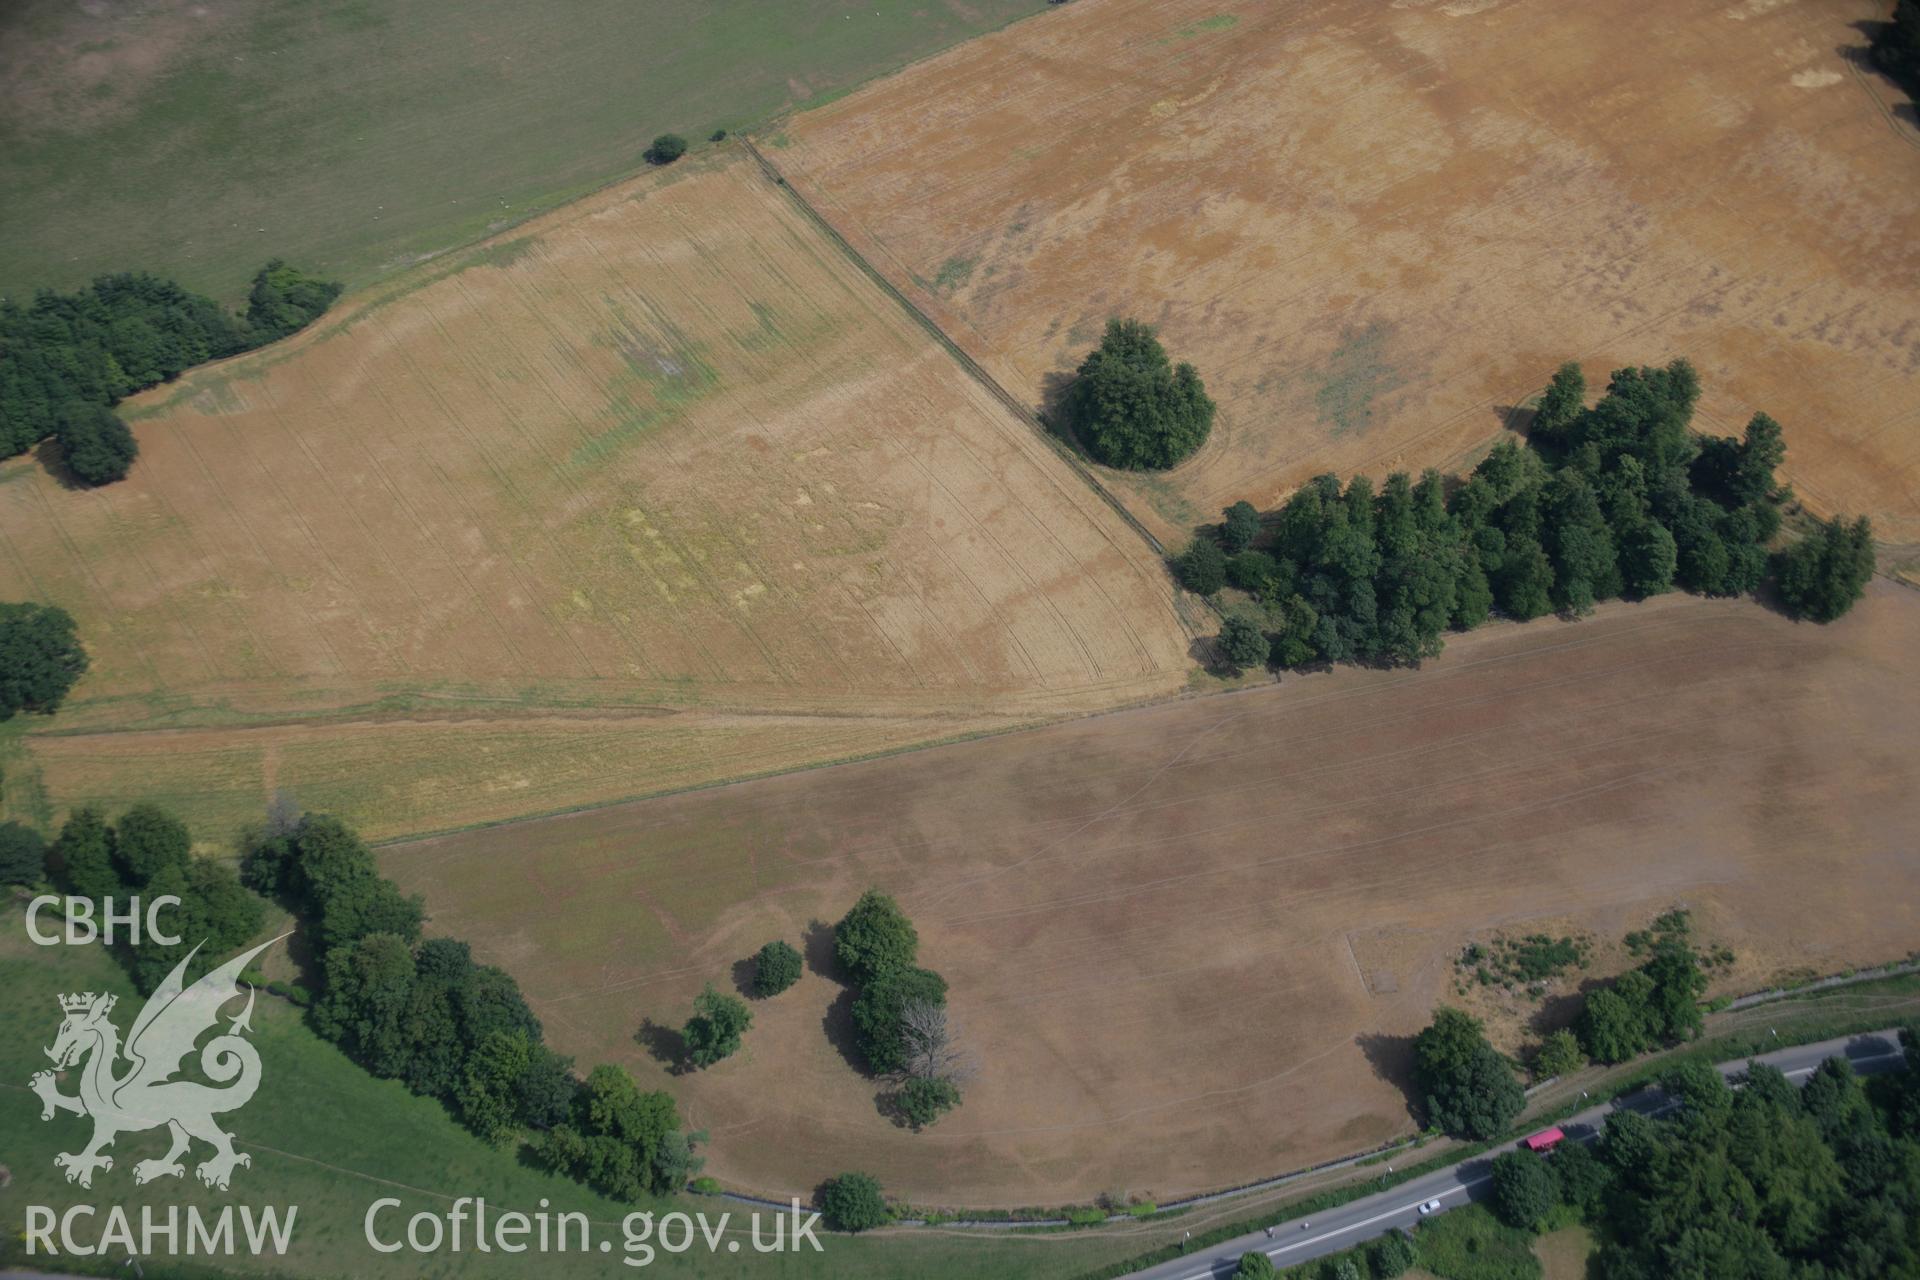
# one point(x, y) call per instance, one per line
point(419, 1011)
point(40, 658)
point(1764, 1182)
point(900, 1018)
point(1618, 499)
point(425, 1013)
point(148, 854)
point(66, 359)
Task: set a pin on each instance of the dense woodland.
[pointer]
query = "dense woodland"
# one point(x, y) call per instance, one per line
point(66, 359)
point(1763, 1182)
point(1618, 499)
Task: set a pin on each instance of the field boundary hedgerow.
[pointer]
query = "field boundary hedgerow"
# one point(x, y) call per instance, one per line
point(939, 335)
point(1633, 1076)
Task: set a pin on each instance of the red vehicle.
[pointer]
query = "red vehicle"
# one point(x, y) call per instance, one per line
point(1543, 1141)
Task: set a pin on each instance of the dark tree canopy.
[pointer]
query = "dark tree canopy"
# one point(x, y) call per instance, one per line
point(1617, 498)
point(1524, 1191)
point(1896, 46)
point(66, 353)
point(621, 1141)
point(878, 1009)
point(1254, 1265)
point(285, 300)
point(23, 854)
point(40, 658)
point(714, 1031)
point(874, 938)
point(921, 1101)
point(1131, 407)
point(1565, 397)
point(96, 445)
point(776, 967)
point(1242, 643)
point(1823, 574)
point(1469, 1090)
point(853, 1202)
point(1202, 567)
point(1240, 526)
point(666, 148)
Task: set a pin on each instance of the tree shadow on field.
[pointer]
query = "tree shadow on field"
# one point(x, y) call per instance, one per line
point(1558, 1012)
point(744, 972)
point(816, 945)
point(837, 1024)
point(1053, 407)
point(51, 456)
point(1392, 1060)
point(667, 1046)
point(1517, 418)
point(1861, 56)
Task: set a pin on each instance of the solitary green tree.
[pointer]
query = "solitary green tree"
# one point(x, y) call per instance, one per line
point(40, 658)
point(853, 1202)
point(666, 148)
point(1469, 1090)
point(1132, 407)
point(775, 968)
point(713, 1033)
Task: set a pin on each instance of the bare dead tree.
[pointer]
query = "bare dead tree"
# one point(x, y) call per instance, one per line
point(932, 1044)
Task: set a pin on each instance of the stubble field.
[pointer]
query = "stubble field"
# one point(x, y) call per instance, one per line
point(659, 490)
point(1377, 228)
point(1188, 943)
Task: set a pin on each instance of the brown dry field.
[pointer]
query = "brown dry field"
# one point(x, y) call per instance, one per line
point(1188, 942)
point(656, 490)
point(1375, 228)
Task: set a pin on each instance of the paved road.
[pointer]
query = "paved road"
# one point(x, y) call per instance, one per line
point(1375, 1215)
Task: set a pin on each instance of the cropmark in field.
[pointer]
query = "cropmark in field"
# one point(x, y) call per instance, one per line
point(1376, 229)
point(1189, 944)
point(658, 490)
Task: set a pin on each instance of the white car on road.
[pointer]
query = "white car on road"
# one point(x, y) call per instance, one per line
point(1431, 1206)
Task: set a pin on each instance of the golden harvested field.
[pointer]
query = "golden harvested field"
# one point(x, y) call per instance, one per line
point(1189, 942)
point(658, 490)
point(1376, 227)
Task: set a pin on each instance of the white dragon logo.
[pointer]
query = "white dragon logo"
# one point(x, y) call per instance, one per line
point(145, 1096)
